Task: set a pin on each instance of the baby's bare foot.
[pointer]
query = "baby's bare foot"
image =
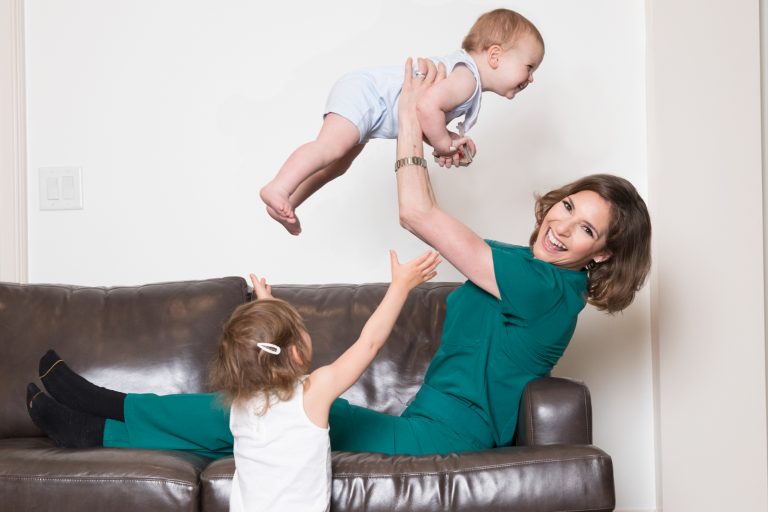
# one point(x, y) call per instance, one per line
point(276, 198)
point(293, 227)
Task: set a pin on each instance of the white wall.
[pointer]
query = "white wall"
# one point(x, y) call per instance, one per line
point(706, 181)
point(178, 111)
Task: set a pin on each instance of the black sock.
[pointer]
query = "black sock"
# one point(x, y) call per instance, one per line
point(75, 392)
point(67, 428)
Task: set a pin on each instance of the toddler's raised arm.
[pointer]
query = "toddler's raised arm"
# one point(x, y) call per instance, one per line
point(260, 287)
point(332, 380)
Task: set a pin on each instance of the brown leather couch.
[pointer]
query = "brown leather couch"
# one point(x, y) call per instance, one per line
point(160, 337)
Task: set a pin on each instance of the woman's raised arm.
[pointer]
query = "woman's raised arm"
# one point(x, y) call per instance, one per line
point(419, 211)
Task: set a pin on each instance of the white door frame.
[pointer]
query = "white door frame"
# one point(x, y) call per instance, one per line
point(13, 144)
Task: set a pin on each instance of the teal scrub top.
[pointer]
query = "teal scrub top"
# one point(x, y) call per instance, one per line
point(491, 348)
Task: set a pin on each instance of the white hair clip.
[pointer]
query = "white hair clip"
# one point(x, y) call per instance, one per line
point(269, 347)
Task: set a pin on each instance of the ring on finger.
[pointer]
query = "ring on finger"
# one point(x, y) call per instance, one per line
point(419, 74)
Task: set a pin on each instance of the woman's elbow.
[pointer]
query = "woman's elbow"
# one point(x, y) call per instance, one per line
point(406, 218)
point(411, 218)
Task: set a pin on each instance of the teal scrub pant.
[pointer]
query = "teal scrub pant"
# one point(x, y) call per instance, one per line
point(199, 423)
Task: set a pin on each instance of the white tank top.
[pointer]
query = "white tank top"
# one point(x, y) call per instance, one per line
point(282, 459)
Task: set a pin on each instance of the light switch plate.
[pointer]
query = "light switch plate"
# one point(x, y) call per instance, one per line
point(61, 188)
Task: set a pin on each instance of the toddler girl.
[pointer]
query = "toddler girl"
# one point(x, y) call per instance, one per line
point(279, 415)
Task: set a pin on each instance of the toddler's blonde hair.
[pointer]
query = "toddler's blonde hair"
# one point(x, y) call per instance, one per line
point(241, 370)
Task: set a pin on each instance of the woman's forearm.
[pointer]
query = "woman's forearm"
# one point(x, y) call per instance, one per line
point(420, 214)
point(409, 139)
point(414, 190)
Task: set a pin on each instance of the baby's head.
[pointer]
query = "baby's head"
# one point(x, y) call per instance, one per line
point(502, 27)
point(264, 349)
point(512, 48)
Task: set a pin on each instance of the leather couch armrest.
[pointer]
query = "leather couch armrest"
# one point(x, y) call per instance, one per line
point(555, 410)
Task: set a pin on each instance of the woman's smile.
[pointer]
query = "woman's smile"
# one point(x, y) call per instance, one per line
point(574, 231)
point(552, 244)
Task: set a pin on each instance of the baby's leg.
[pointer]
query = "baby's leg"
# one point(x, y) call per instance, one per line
point(323, 176)
point(313, 183)
point(337, 137)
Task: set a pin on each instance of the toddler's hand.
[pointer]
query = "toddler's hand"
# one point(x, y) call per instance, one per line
point(412, 273)
point(260, 287)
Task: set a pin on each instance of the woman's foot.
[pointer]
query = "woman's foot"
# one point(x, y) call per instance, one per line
point(293, 228)
point(72, 390)
point(67, 428)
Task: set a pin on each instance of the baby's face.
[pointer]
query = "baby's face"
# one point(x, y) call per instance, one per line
point(517, 65)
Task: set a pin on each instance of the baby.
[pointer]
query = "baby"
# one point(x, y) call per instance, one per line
point(499, 54)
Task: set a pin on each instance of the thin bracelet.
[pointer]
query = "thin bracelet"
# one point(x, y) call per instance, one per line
point(410, 160)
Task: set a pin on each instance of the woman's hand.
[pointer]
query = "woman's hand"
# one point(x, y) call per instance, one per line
point(416, 83)
point(260, 287)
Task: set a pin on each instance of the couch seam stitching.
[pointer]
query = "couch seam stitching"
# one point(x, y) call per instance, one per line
point(427, 473)
point(101, 480)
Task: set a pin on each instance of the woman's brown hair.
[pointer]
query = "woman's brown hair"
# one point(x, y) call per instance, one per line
point(612, 284)
point(241, 370)
point(501, 27)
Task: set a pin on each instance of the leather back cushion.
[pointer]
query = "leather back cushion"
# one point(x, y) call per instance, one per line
point(159, 338)
point(335, 315)
point(153, 338)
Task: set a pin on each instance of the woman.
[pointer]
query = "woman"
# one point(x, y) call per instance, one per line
point(508, 324)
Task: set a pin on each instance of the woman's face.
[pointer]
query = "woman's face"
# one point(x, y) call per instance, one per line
point(574, 231)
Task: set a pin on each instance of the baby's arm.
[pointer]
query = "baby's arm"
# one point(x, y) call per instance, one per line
point(328, 382)
point(443, 97)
